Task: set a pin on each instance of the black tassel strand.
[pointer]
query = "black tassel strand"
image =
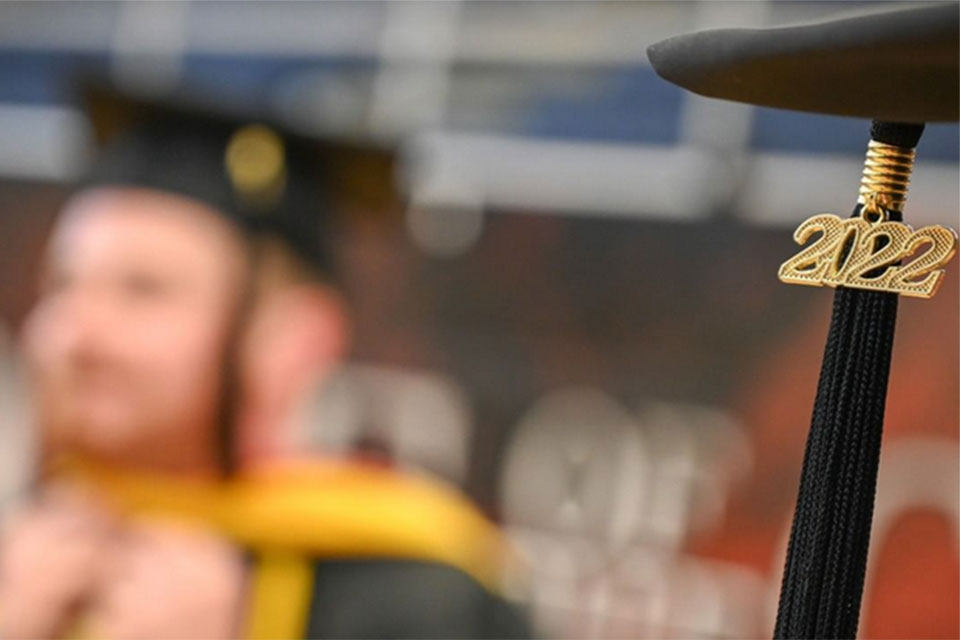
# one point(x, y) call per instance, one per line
point(827, 555)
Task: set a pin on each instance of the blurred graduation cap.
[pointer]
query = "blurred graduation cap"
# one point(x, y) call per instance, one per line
point(896, 66)
point(899, 68)
point(260, 175)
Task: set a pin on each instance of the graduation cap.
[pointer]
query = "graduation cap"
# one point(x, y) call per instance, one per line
point(899, 68)
point(896, 66)
point(262, 177)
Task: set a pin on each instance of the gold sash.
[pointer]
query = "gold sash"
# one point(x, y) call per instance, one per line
point(289, 514)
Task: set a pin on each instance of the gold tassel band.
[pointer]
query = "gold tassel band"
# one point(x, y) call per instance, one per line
point(886, 175)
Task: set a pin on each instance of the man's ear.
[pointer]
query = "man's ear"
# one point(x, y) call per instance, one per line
point(303, 333)
point(296, 336)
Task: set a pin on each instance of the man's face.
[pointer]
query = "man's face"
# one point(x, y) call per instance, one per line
point(125, 345)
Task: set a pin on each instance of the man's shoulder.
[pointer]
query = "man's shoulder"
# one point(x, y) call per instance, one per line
point(378, 553)
point(352, 509)
point(402, 598)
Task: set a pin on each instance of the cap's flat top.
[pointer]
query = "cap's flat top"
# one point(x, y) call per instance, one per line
point(900, 66)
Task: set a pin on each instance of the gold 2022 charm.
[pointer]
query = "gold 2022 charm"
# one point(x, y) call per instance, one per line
point(863, 253)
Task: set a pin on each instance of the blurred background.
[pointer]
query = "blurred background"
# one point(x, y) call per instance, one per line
point(577, 318)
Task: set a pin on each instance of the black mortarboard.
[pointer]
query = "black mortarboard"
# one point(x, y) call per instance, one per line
point(901, 69)
point(257, 173)
point(897, 66)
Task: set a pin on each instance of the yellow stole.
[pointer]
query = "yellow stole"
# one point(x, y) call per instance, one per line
point(290, 514)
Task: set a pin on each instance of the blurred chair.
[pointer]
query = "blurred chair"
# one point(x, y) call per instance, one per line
point(699, 454)
point(16, 451)
point(571, 492)
point(653, 595)
point(601, 502)
point(416, 419)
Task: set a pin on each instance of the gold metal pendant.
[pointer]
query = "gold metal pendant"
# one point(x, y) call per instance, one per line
point(863, 254)
point(867, 251)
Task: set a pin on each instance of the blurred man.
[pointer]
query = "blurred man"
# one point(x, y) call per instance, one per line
point(187, 311)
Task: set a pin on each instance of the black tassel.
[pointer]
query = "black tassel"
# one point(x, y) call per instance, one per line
point(827, 555)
